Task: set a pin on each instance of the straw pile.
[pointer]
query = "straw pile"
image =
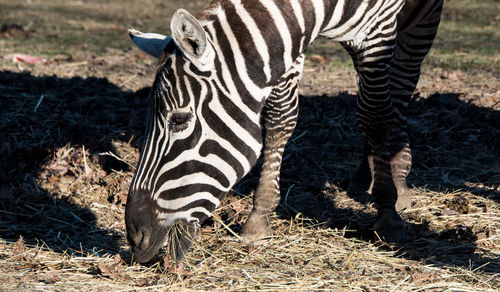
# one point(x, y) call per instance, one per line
point(70, 146)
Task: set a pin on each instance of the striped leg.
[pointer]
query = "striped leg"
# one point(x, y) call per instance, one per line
point(412, 46)
point(376, 116)
point(279, 117)
point(362, 178)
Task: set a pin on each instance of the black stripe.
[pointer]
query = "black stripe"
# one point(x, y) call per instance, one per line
point(226, 133)
point(187, 143)
point(309, 16)
point(198, 203)
point(230, 61)
point(198, 72)
point(213, 147)
point(293, 26)
point(253, 60)
point(190, 167)
point(187, 190)
point(271, 36)
point(239, 116)
point(201, 216)
point(180, 74)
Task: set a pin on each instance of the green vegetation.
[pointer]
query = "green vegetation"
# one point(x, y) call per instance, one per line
point(468, 38)
point(90, 27)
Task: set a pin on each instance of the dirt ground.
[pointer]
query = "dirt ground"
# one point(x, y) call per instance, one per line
point(70, 133)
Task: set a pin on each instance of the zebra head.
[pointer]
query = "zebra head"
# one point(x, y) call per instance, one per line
point(198, 142)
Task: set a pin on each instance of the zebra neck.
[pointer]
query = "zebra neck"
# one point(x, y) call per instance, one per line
point(261, 39)
point(257, 41)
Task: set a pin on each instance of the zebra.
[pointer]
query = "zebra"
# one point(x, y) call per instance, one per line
point(226, 91)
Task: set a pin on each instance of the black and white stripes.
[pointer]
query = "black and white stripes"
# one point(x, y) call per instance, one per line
point(227, 85)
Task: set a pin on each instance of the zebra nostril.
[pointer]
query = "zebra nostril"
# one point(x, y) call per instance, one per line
point(139, 237)
point(145, 237)
point(138, 218)
point(134, 237)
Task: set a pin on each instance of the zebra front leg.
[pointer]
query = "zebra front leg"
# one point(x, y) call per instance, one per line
point(279, 118)
point(361, 180)
point(267, 195)
point(413, 44)
point(377, 119)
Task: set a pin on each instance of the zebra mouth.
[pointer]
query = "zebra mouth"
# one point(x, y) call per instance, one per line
point(180, 237)
point(146, 244)
point(176, 239)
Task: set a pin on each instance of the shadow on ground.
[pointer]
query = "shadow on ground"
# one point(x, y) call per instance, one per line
point(455, 145)
point(38, 116)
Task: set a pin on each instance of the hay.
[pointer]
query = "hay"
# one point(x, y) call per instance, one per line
point(69, 165)
point(303, 255)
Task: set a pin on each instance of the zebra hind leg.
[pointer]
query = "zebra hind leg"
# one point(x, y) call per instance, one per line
point(376, 117)
point(361, 180)
point(279, 118)
point(412, 45)
point(382, 116)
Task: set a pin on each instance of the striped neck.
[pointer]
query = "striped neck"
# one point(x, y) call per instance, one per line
point(261, 39)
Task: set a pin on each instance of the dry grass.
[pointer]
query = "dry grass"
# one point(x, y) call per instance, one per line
point(65, 185)
point(302, 256)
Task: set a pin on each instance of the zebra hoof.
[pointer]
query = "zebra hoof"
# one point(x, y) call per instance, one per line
point(257, 227)
point(390, 227)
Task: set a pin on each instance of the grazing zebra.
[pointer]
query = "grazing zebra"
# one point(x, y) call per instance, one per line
point(227, 86)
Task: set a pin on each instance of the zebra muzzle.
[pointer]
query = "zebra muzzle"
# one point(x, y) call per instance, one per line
point(145, 244)
point(177, 239)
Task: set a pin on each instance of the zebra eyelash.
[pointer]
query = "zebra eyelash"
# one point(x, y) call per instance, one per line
point(179, 121)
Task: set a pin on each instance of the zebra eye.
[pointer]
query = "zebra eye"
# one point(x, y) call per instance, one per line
point(178, 121)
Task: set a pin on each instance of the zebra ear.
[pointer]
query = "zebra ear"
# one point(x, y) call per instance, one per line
point(150, 43)
point(190, 36)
